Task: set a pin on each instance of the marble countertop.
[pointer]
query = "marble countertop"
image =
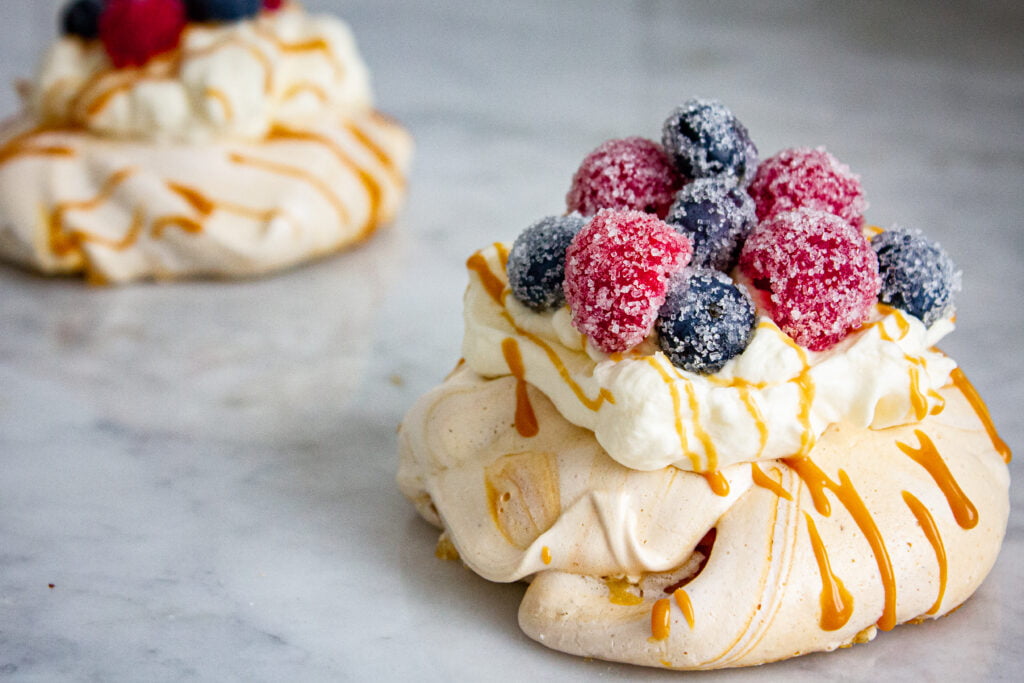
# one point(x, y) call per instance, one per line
point(197, 479)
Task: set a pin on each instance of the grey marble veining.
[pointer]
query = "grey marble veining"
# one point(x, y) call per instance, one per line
point(204, 471)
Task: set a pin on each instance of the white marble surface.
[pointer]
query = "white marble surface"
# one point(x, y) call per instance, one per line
point(204, 471)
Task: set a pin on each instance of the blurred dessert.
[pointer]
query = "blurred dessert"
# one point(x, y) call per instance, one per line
point(703, 415)
point(167, 139)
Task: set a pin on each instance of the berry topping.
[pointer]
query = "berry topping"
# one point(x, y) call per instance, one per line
point(917, 274)
point(717, 216)
point(616, 271)
point(820, 273)
point(704, 139)
point(82, 18)
point(222, 10)
point(632, 173)
point(536, 264)
point(133, 31)
point(705, 321)
point(807, 178)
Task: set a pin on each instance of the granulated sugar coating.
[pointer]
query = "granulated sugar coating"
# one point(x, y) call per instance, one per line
point(631, 173)
point(536, 263)
point(704, 139)
point(805, 178)
point(705, 321)
point(717, 216)
point(822, 274)
point(918, 276)
point(616, 271)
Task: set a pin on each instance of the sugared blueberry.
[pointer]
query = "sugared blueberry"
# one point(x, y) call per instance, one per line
point(536, 263)
point(616, 271)
point(82, 18)
point(918, 276)
point(706, 320)
point(133, 31)
point(819, 273)
point(631, 173)
point(704, 139)
point(717, 216)
point(804, 178)
point(222, 10)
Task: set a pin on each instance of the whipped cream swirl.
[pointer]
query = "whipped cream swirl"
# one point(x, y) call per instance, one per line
point(774, 400)
point(233, 81)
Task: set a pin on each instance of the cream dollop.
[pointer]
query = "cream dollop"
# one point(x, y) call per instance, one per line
point(232, 81)
point(774, 400)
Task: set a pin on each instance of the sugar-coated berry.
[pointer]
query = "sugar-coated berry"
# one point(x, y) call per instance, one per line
point(616, 271)
point(805, 178)
point(222, 10)
point(82, 18)
point(706, 320)
point(918, 276)
point(133, 31)
point(631, 173)
point(717, 216)
point(272, 4)
point(704, 139)
point(536, 263)
point(819, 272)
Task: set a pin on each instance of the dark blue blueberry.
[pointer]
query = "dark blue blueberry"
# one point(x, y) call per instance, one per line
point(82, 18)
point(917, 274)
point(536, 264)
point(222, 10)
point(706, 320)
point(717, 216)
point(704, 139)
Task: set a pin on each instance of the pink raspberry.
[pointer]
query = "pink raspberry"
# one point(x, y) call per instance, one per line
point(133, 31)
point(802, 178)
point(616, 275)
point(820, 273)
point(632, 173)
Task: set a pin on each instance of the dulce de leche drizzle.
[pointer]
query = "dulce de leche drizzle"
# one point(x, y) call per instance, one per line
point(764, 481)
point(526, 419)
point(685, 605)
point(981, 410)
point(836, 600)
point(661, 619)
point(931, 532)
point(928, 457)
point(817, 482)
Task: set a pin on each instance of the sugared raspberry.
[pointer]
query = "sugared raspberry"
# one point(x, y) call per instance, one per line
point(272, 4)
point(918, 276)
point(631, 173)
point(705, 140)
point(805, 178)
point(133, 31)
point(616, 271)
point(820, 273)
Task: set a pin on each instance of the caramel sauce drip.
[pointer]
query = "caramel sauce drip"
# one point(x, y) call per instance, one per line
point(619, 593)
point(21, 145)
point(677, 405)
point(756, 414)
point(526, 419)
point(938, 402)
point(545, 555)
point(184, 223)
point(931, 532)
point(764, 481)
point(717, 481)
point(295, 172)
point(492, 285)
point(918, 401)
point(661, 619)
point(836, 600)
point(63, 242)
point(373, 188)
point(223, 100)
point(981, 410)
point(380, 155)
point(235, 41)
point(817, 482)
point(927, 456)
point(683, 600)
point(297, 89)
